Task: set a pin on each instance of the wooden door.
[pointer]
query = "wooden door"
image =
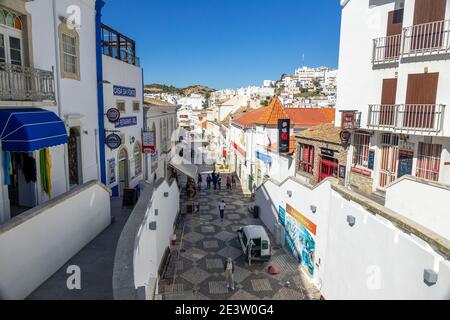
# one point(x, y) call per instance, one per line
point(428, 30)
point(393, 35)
point(388, 100)
point(421, 101)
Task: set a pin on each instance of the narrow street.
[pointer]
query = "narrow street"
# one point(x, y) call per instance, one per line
point(96, 262)
point(196, 268)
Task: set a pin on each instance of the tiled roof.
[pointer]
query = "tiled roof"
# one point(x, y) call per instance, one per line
point(326, 132)
point(274, 112)
point(249, 119)
point(308, 117)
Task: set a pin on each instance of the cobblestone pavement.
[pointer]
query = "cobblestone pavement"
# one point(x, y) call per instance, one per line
point(195, 269)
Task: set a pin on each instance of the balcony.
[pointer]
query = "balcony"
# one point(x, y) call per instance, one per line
point(24, 84)
point(387, 49)
point(419, 41)
point(407, 118)
point(426, 39)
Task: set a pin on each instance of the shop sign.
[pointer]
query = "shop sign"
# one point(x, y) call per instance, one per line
point(264, 157)
point(126, 122)
point(342, 172)
point(284, 128)
point(405, 163)
point(113, 115)
point(371, 161)
point(328, 152)
point(113, 141)
point(124, 91)
point(148, 143)
point(345, 137)
point(111, 171)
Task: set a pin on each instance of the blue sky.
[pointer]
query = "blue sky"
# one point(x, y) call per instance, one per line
point(227, 43)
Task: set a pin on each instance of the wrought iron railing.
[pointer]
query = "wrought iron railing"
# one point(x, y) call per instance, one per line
point(415, 41)
point(426, 39)
point(18, 83)
point(407, 117)
point(387, 49)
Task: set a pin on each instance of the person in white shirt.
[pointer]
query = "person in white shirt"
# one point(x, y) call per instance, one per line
point(222, 209)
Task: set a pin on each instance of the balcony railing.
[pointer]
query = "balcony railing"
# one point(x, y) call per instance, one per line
point(427, 39)
point(387, 49)
point(18, 83)
point(416, 41)
point(407, 117)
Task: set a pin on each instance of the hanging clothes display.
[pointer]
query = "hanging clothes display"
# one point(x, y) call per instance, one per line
point(29, 168)
point(7, 167)
point(45, 165)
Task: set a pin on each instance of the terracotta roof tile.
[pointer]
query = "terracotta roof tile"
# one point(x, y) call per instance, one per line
point(309, 117)
point(249, 119)
point(274, 112)
point(326, 132)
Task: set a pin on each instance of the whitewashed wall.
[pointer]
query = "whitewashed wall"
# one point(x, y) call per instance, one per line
point(127, 75)
point(429, 209)
point(151, 245)
point(372, 260)
point(36, 245)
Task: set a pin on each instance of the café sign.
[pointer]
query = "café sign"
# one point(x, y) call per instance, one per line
point(126, 122)
point(113, 115)
point(113, 141)
point(124, 91)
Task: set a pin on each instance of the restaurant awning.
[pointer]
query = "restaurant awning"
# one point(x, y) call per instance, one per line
point(185, 168)
point(27, 130)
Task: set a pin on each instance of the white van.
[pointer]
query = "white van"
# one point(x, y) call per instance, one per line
point(255, 243)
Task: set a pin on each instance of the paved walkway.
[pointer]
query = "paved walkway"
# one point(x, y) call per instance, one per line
point(197, 272)
point(96, 261)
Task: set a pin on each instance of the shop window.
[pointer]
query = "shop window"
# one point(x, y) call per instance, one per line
point(429, 161)
point(361, 152)
point(306, 159)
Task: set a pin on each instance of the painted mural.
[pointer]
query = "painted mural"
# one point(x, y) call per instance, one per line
point(300, 236)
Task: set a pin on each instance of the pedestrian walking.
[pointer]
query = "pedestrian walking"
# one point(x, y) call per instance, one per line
point(219, 182)
point(208, 182)
point(229, 273)
point(200, 181)
point(214, 179)
point(222, 206)
point(233, 181)
point(229, 182)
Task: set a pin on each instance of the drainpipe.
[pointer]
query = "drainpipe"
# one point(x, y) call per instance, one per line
point(100, 98)
point(57, 74)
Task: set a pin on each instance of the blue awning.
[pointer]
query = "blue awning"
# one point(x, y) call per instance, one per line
point(27, 130)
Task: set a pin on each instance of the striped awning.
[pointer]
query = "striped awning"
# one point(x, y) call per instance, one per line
point(27, 130)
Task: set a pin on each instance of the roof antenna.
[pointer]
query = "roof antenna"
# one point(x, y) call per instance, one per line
point(303, 60)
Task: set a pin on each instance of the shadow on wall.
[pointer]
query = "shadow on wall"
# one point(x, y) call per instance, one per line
point(376, 3)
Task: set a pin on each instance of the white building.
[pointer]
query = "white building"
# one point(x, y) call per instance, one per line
point(395, 72)
point(160, 119)
point(123, 91)
point(49, 48)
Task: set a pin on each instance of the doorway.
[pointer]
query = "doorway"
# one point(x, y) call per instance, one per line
point(75, 160)
point(389, 159)
point(329, 167)
point(22, 186)
point(123, 170)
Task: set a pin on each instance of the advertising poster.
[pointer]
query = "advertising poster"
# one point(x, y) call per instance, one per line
point(111, 171)
point(300, 237)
